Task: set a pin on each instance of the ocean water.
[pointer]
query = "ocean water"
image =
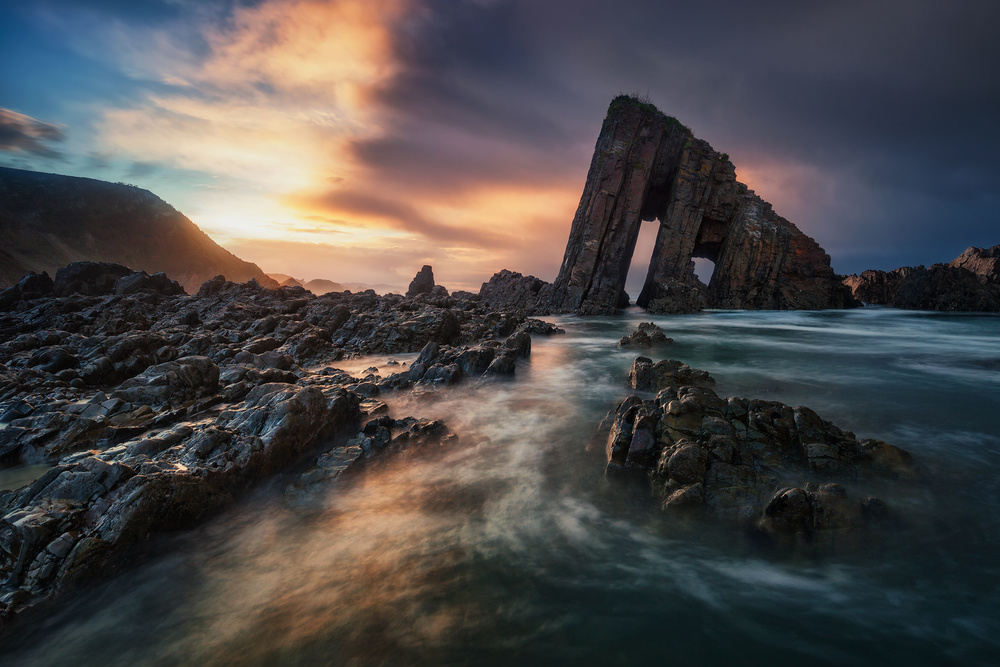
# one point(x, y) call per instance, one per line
point(511, 547)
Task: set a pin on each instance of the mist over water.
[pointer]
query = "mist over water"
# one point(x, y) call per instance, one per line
point(511, 547)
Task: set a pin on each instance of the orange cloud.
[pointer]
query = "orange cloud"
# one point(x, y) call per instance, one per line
point(277, 112)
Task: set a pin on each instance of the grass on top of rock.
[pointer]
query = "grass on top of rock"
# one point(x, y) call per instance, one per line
point(645, 105)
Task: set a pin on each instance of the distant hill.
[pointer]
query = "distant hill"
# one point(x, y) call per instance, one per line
point(320, 286)
point(48, 221)
point(380, 288)
point(317, 286)
point(285, 280)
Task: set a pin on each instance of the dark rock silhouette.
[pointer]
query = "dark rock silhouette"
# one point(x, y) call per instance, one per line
point(970, 282)
point(647, 166)
point(48, 221)
point(422, 283)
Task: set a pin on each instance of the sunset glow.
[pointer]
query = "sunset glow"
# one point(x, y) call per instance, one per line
point(323, 137)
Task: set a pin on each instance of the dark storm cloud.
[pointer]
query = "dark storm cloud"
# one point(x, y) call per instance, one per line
point(898, 100)
point(24, 134)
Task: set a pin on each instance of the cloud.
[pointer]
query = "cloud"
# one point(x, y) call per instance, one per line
point(397, 215)
point(23, 134)
point(466, 128)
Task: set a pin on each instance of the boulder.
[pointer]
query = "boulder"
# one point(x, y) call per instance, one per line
point(172, 382)
point(646, 335)
point(89, 278)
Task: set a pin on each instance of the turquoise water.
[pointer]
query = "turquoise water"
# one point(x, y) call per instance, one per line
point(513, 548)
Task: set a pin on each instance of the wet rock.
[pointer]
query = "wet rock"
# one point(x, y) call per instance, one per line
point(646, 335)
point(727, 456)
point(644, 375)
point(378, 437)
point(171, 383)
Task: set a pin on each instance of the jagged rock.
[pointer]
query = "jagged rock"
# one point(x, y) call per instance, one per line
point(122, 393)
point(646, 335)
point(970, 282)
point(89, 278)
point(647, 166)
point(377, 437)
point(141, 281)
point(733, 457)
point(508, 290)
point(984, 262)
point(644, 375)
point(422, 283)
point(172, 382)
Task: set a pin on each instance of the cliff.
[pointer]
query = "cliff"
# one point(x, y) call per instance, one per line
point(48, 221)
point(648, 166)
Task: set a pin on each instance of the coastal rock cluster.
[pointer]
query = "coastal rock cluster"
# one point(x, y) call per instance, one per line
point(155, 408)
point(766, 465)
point(970, 282)
point(648, 167)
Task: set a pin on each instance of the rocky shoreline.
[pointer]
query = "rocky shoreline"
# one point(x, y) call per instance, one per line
point(156, 408)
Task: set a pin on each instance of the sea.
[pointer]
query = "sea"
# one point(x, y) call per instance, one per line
point(512, 547)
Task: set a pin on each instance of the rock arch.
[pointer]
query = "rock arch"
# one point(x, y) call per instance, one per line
point(648, 166)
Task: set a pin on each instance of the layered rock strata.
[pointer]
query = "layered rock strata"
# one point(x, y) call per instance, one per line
point(970, 282)
point(764, 464)
point(648, 167)
point(154, 408)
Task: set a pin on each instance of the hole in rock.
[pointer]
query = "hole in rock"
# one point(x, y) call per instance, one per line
point(704, 268)
point(642, 257)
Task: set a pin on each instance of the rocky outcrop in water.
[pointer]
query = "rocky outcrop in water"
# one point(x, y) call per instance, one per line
point(970, 282)
point(48, 221)
point(647, 166)
point(761, 463)
point(155, 408)
point(646, 334)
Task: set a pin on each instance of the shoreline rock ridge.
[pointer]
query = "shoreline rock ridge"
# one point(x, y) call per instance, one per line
point(156, 408)
point(969, 283)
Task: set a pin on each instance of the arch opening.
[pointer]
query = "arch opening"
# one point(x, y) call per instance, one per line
point(642, 257)
point(704, 269)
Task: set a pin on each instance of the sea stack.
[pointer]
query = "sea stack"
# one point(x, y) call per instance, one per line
point(647, 166)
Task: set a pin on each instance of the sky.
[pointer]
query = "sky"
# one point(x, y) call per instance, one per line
point(356, 140)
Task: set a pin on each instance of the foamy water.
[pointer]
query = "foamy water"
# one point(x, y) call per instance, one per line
point(512, 547)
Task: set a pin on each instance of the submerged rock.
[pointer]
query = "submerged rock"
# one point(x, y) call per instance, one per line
point(378, 437)
point(734, 457)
